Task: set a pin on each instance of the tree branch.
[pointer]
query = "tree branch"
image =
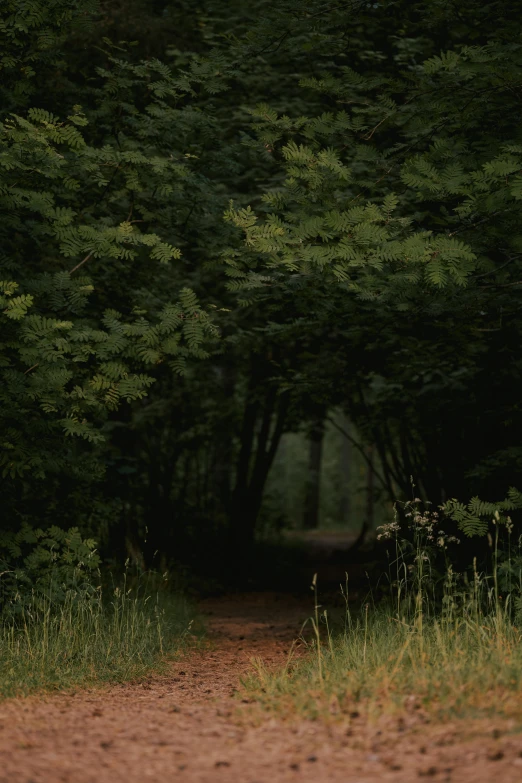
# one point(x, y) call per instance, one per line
point(360, 449)
point(82, 262)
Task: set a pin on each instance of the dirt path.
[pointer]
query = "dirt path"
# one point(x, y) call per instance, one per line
point(183, 727)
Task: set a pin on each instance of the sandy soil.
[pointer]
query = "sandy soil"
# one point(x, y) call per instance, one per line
point(184, 726)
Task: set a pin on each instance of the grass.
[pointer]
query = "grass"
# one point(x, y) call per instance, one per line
point(382, 664)
point(91, 639)
point(454, 652)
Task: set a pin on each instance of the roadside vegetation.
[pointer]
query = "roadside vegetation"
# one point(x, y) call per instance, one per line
point(465, 666)
point(61, 627)
point(438, 643)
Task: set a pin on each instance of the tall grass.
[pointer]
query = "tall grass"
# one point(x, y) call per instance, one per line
point(448, 648)
point(90, 638)
point(382, 663)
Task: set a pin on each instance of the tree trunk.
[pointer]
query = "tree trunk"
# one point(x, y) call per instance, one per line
point(345, 466)
point(255, 460)
point(368, 521)
point(313, 482)
point(370, 488)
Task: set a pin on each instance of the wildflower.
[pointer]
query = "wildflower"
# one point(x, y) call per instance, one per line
point(388, 530)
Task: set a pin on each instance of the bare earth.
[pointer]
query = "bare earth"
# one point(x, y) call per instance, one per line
point(185, 727)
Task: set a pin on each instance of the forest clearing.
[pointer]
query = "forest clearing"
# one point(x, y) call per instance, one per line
point(260, 372)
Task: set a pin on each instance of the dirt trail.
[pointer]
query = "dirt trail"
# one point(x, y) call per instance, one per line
point(183, 727)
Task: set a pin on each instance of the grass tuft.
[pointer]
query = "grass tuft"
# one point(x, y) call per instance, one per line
point(90, 639)
point(381, 664)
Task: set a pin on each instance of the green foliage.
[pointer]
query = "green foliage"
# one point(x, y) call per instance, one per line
point(46, 566)
point(475, 517)
point(354, 246)
point(369, 259)
point(334, 210)
point(400, 186)
point(32, 35)
point(64, 196)
point(74, 373)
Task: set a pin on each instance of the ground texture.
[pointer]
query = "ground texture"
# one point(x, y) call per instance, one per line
point(187, 726)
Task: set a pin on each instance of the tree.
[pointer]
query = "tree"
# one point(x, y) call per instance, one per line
point(438, 130)
point(75, 199)
point(369, 260)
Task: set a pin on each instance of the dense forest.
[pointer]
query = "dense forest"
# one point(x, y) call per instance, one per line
point(261, 269)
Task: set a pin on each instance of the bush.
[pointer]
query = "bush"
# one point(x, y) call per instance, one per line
point(48, 567)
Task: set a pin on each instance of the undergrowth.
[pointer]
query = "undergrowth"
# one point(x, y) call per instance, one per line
point(60, 628)
point(90, 640)
point(441, 644)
